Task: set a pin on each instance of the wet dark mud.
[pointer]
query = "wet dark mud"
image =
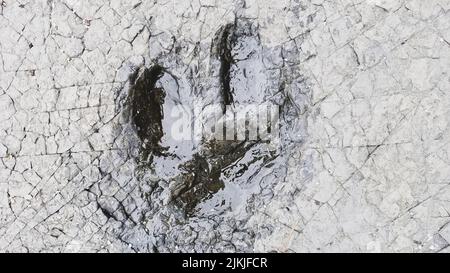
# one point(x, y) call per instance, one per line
point(147, 109)
point(222, 48)
point(204, 175)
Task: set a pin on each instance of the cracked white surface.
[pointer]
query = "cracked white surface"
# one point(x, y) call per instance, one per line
point(370, 172)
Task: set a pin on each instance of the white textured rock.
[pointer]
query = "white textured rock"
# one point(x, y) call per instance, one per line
point(368, 171)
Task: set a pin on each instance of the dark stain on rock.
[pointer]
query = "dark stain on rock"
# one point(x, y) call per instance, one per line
point(146, 109)
point(223, 42)
point(199, 182)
